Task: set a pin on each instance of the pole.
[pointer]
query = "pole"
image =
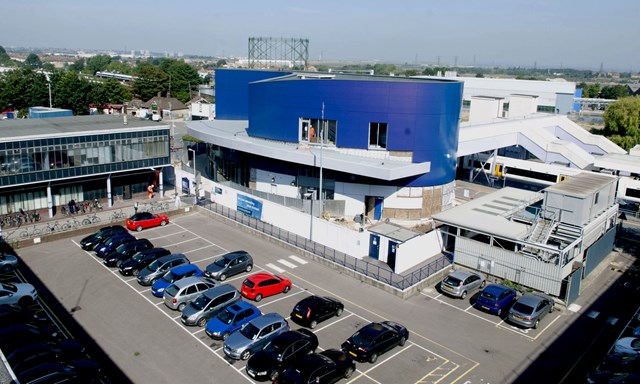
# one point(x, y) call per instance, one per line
point(195, 174)
point(322, 123)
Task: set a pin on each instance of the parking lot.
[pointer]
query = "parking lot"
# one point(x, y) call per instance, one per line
point(450, 342)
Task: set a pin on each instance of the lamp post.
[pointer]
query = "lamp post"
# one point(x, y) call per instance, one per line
point(195, 175)
point(46, 75)
point(322, 128)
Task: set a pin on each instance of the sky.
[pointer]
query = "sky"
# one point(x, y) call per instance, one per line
point(583, 34)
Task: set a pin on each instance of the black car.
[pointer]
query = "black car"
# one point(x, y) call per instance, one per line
point(374, 339)
point(269, 363)
point(124, 251)
point(77, 371)
point(89, 242)
point(15, 314)
point(23, 334)
point(315, 309)
point(327, 367)
point(64, 350)
point(137, 262)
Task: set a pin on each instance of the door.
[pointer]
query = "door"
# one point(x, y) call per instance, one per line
point(391, 255)
point(304, 130)
point(374, 246)
point(377, 210)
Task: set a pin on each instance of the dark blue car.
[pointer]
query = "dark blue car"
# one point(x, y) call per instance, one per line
point(496, 298)
point(230, 319)
point(112, 243)
point(173, 275)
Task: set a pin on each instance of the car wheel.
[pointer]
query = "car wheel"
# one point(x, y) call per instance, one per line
point(7, 268)
point(286, 289)
point(402, 341)
point(535, 325)
point(202, 322)
point(249, 268)
point(484, 282)
point(313, 324)
point(222, 277)
point(499, 312)
point(373, 358)
point(274, 375)
point(181, 306)
point(139, 228)
point(163, 223)
point(225, 335)
point(348, 372)
point(118, 263)
point(339, 312)
point(25, 301)
point(258, 297)
point(464, 294)
point(245, 355)
point(135, 272)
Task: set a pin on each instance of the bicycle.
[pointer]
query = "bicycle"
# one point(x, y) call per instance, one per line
point(52, 227)
point(91, 220)
point(117, 216)
point(35, 232)
point(70, 224)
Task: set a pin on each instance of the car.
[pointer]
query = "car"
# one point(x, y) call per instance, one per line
point(496, 298)
point(529, 309)
point(22, 294)
point(326, 367)
point(608, 377)
point(8, 262)
point(124, 251)
point(89, 242)
point(254, 335)
point(62, 350)
point(230, 319)
point(140, 260)
point(229, 264)
point(157, 268)
point(263, 284)
point(112, 243)
point(208, 304)
point(144, 220)
point(460, 282)
point(315, 309)
point(268, 363)
point(11, 314)
point(173, 275)
point(617, 362)
point(182, 291)
point(77, 371)
point(27, 333)
point(627, 346)
point(374, 339)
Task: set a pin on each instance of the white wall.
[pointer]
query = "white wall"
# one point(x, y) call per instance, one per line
point(353, 195)
point(522, 105)
point(485, 109)
point(280, 186)
point(417, 250)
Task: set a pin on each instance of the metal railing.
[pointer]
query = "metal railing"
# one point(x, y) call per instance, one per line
point(372, 270)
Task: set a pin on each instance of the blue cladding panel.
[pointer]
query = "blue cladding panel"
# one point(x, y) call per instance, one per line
point(422, 115)
point(232, 91)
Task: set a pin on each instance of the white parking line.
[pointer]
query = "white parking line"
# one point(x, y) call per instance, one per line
point(162, 237)
point(182, 242)
point(203, 238)
point(335, 322)
point(287, 264)
point(297, 259)
point(198, 331)
point(197, 249)
point(277, 269)
point(285, 295)
point(177, 317)
point(406, 347)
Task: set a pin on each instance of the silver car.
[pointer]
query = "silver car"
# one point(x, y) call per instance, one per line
point(8, 262)
point(208, 304)
point(154, 271)
point(254, 335)
point(17, 293)
point(461, 282)
point(529, 309)
point(178, 294)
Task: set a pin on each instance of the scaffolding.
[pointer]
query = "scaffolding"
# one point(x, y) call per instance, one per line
point(270, 52)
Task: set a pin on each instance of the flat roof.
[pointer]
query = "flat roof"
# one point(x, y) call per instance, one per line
point(619, 162)
point(393, 232)
point(232, 134)
point(490, 213)
point(582, 185)
point(328, 76)
point(24, 129)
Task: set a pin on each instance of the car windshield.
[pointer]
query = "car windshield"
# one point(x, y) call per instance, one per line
point(169, 277)
point(201, 302)
point(275, 348)
point(635, 343)
point(9, 287)
point(361, 338)
point(221, 262)
point(154, 266)
point(171, 290)
point(138, 257)
point(121, 248)
point(250, 331)
point(249, 283)
point(488, 296)
point(452, 281)
point(523, 308)
point(225, 316)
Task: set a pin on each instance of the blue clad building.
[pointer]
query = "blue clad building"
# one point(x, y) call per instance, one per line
point(386, 145)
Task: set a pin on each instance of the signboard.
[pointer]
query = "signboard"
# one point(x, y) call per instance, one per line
point(185, 185)
point(249, 206)
point(218, 191)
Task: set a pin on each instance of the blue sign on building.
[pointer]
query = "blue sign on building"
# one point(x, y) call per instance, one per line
point(185, 185)
point(250, 207)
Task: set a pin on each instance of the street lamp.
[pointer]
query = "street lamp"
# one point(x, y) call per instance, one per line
point(195, 175)
point(46, 75)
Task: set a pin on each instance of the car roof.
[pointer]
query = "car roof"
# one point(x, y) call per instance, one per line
point(267, 319)
point(261, 276)
point(374, 328)
point(532, 299)
point(154, 250)
point(187, 281)
point(241, 306)
point(234, 254)
point(461, 274)
point(183, 268)
point(495, 289)
point(219, 290)
point(172, 256)
point(289, 337)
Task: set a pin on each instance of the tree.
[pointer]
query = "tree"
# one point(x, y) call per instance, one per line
point(151, 81)
point(33, 61)
point(479, 74)
point(622, 122)
point(72, 92)
point(77, 66)
point(182, 78)
point(221, 63)
point(589, 91)
point(109, 91)
point(23, 88)
point(4, 56)
point(614, 91)
point(98, 63)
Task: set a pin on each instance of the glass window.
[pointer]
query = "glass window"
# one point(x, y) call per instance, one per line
point(378, 135)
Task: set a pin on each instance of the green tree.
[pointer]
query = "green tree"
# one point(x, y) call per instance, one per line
point(23, 88)
point(120, 67)
point(622, 122)
point(77, 66)
point(97, 63)
point(614, 91)
point(479, 74)
point(150, 81)
point(33, 61)
point(4, 56)
point(589, 91)
point(221, 63)
point(182, 78)
point(70, 91)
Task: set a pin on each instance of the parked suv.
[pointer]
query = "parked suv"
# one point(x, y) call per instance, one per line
point(173, 275)
point(229, 265)
point(181, 292)
point(112, 243)
point(89, 242)
point(159, 267)
point(460, 282)
point(254, 335)
point(137, 262)
point(125, 251)
point(208, 304)
point(230, 319)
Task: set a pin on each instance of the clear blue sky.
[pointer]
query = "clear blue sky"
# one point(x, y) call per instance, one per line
point(567, 33)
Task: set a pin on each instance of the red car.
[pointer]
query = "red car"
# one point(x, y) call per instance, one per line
point(143, 220)
point(262, 284)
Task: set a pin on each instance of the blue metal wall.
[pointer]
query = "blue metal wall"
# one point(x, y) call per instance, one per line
point(422, 115)
point(232, 91)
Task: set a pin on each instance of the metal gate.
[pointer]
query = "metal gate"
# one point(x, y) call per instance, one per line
point(573, 289)
point(599, 250)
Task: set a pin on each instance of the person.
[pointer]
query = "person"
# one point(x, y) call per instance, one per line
point(178, 202)
point(135, 207)
point(150, 191)
point(72, 206)
point(312, 132)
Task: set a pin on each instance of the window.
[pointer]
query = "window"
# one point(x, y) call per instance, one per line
point(378, 135)
point(595, 199)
